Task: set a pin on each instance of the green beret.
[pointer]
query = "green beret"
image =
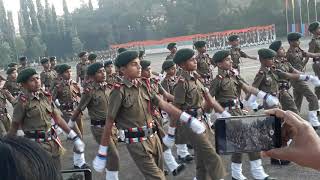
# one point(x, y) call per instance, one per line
point(171, 45)
point(25, 74)
point(56, 68)
point(107, 63)
point(141, 53)
point(12, 65)
point(93, 68)
point(266, 54)
point(233, 38)
point(183, 55)
point(62, 68)
point(313, 26)
point(276, 45)
point(220, 56)
point(125, 57)
point(200, 44)
point(167, 65)
point(120, 50)
point(23, 58)
point(10, 70)
point(294, 36)
point(80, 55)
point(92, 57)
point(44, 60)
point(144, 64)
point(53, 58)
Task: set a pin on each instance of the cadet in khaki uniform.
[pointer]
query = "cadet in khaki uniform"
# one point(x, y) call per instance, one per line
point(226, 88)
point(314, 47)
point(13, 65)
point(280, 62)
point(170, 79)
point(95, 97)
point(295, 56)
point(53, 62)
point(11, 84)
point(203, 63)
point(5, 118)
point(33, 112)
point(92, 58)
point(111, 75)
point(81, 67)
point(67, 93)
point(47, 75)
point(129, 108)
point(188, 96)
point(172, 47)
point(23, 63)
point(153, 86)
point(236, 52)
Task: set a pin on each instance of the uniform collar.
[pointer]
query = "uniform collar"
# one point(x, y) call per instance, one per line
point(131, 83)
point(99, 85)
point(188, 75)
point(34, 95)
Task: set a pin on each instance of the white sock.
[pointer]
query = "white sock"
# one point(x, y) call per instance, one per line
point(78, 159)
point(170, 160)
point(112, 175)
point(236, 171)
point(257, 170)
point(182, 150)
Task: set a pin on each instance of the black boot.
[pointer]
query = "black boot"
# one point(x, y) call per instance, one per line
point(178, 170)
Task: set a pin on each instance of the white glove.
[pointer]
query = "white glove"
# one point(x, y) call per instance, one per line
point(254, 105)
point(195, 124)
point(304, 77)
point(20, 132)
point(100, 161)
point(57, 102)
point(225, 114)
point(251, 99)
point(71, 124)
point(168, 140)
point(315, 81)
point(270, 100)
point(78, 143)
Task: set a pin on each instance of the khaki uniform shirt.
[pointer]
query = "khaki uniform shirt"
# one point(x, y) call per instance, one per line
point(236, 54)
point(283, 65)
point(47, 77)
point(267, 80)
point(111, 79)
point(295, 57)
point(67, 92)
point(188, 92)
point(81, 70)
point(130, 105)
point(226, 86)
point(168, 84)
point(34, 111)
point(314, 45)
point(203, 65)
point(95, 97)
point(12, 86)
point(170, 57)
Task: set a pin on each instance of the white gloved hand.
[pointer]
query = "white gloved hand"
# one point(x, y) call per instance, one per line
point(315, 81)
point(168, 140)
point(251, 99)
point(197, 126)
point(225, 114)
point(71, 124)
point(100, 161)
point(272, 101)
point(254, 105)
point(78, 143)
point(57, 102)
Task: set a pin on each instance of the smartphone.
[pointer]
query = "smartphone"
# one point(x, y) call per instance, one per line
point(77, 174)
point(242, 134)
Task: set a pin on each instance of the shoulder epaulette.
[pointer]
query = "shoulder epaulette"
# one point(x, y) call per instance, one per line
point(117, 85)
point(181, 79)
point(260, 72)
point(23, 97)
point(219, 76)
point(46, 93)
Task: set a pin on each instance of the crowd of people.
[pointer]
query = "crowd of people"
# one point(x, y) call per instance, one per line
point(127, 103)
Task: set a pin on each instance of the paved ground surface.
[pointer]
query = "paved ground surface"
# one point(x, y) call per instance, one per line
point(129, 170)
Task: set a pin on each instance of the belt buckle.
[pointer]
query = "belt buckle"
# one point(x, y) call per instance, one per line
point(148, 132)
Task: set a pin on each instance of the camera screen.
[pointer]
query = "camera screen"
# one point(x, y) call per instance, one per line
point(249, 134)
point(75, 174)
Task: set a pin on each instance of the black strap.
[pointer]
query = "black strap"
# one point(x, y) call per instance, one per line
point(97, 123)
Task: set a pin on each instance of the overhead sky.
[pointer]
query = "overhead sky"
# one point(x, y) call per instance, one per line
point(14, 6)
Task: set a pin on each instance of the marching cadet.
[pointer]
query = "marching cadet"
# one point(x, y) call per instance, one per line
point(142, 54)
point(295, 56)
point(236, 52)
point(152, 85)
point(23, 63)
point(13, 65)
point(92, 58)
point(226, 88)
point(314, 47)
point(81, 67)
point(188, 96)
point(128, 108)
point(170, 79)
point(11, 84)
point(67, 93)
point(204, 67)
point(47, 75)
point(280, 62)
point(5, 118)
point(53, 62)
point(34, 111)
point(95, 97)
point(111, 75)
point(172, 47)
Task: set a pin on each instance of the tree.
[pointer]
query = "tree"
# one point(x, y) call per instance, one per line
point(37, 48)
point(90, 5)
point(5, 53)
point(77, 45)
point(20, 46)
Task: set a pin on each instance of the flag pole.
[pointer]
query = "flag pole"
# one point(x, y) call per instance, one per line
point(287, 19)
